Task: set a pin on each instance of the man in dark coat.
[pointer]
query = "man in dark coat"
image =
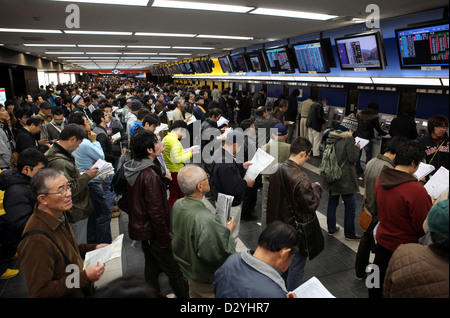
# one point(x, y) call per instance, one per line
point(314, 122)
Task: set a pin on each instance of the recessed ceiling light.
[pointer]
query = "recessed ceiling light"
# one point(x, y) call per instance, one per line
point(166, 34)
point(114, 2)
point(293, 14)
point(97, 32)
point(29, 30)
point(231, 37)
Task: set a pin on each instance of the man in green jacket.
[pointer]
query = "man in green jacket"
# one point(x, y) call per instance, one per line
point(201, 244)
point(60, 157)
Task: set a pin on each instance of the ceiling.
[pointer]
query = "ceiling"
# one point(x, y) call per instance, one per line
point(52, 15)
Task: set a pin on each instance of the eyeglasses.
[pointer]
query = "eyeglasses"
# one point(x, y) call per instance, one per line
point(62, 189)
point(207, 177)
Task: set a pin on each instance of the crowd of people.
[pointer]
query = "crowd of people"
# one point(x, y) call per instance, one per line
point(173, 146)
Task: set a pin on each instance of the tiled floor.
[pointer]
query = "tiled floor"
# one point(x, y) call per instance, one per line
point(334, 267)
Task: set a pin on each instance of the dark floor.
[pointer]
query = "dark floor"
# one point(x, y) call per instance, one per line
point(334, 267)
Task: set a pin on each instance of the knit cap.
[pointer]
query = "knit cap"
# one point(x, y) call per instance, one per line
point(350, 122)
point(76, 99)
point(438, 219)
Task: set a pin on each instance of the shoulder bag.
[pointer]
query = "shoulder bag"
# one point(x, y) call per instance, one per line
point(311, 238)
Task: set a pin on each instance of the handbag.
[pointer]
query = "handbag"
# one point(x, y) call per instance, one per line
point(365, 218)
point(311, 238)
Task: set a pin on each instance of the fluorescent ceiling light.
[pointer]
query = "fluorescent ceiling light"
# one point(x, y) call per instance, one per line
point(134, 53)
point(132, 58)
point(310, 78)
point(182, 35)
point(72, 57)
point(147, 47)
point(424, 81)
point(29, 30)
point(175, 54)
point(97, 32)
point(293, 14)
point(64, 52)
point(231, 37)
point(101, 61)
point(192, 47)
point(106, 53)
point(51, 45)
point(348, 79)
point(114, 2)
point(200, 6)
point(79, 45)
point(167, 58)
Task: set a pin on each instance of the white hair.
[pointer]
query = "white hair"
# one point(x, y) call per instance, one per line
point(188, 178)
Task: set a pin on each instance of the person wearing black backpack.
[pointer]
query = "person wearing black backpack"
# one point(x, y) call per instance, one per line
point(347, 153)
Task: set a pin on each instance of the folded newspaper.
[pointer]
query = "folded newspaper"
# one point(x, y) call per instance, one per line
point(223, 207)
point(105, 254)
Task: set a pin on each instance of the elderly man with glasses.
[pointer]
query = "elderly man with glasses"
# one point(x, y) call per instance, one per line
point(50, 257)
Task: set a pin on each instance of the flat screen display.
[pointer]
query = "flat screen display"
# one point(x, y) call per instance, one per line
point(313, 57)
point(196, 67)
point(423, 46)
point(361, 51)
point(225, 64)
point(279, 60)
point(204, 65)
point(256, 61)
point(189, 69)
point(182, 68)
point(238, 62)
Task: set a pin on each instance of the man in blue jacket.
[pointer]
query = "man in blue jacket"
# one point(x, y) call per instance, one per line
point(257, 274)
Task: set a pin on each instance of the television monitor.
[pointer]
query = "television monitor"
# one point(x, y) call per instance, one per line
point(363, 50)
point(314, 56)
point(204, 65)
point(182, 68)
point(225, 64)
point(239, 63)
point(189, 69)
point(423, 45)
point(256, 61)
point(196, 67)
point(280, 60)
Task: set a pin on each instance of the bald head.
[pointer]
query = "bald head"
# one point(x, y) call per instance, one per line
point(189, 177)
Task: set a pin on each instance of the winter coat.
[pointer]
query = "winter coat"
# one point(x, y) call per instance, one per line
point(403, 205)
point(226, 176)
point(148, 208)
point(61, 159)
point(404, 126)
point(347, 152)
point(316, 117)
point(417, 271)
point(244, 276)
point(18, 200)
point(43, 265)
point(367, 122)
point(304, 196)
point(201, 244)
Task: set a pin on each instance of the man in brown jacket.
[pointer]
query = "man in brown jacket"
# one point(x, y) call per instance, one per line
point(149, 212)
point(304, 197)
point(48, 251)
